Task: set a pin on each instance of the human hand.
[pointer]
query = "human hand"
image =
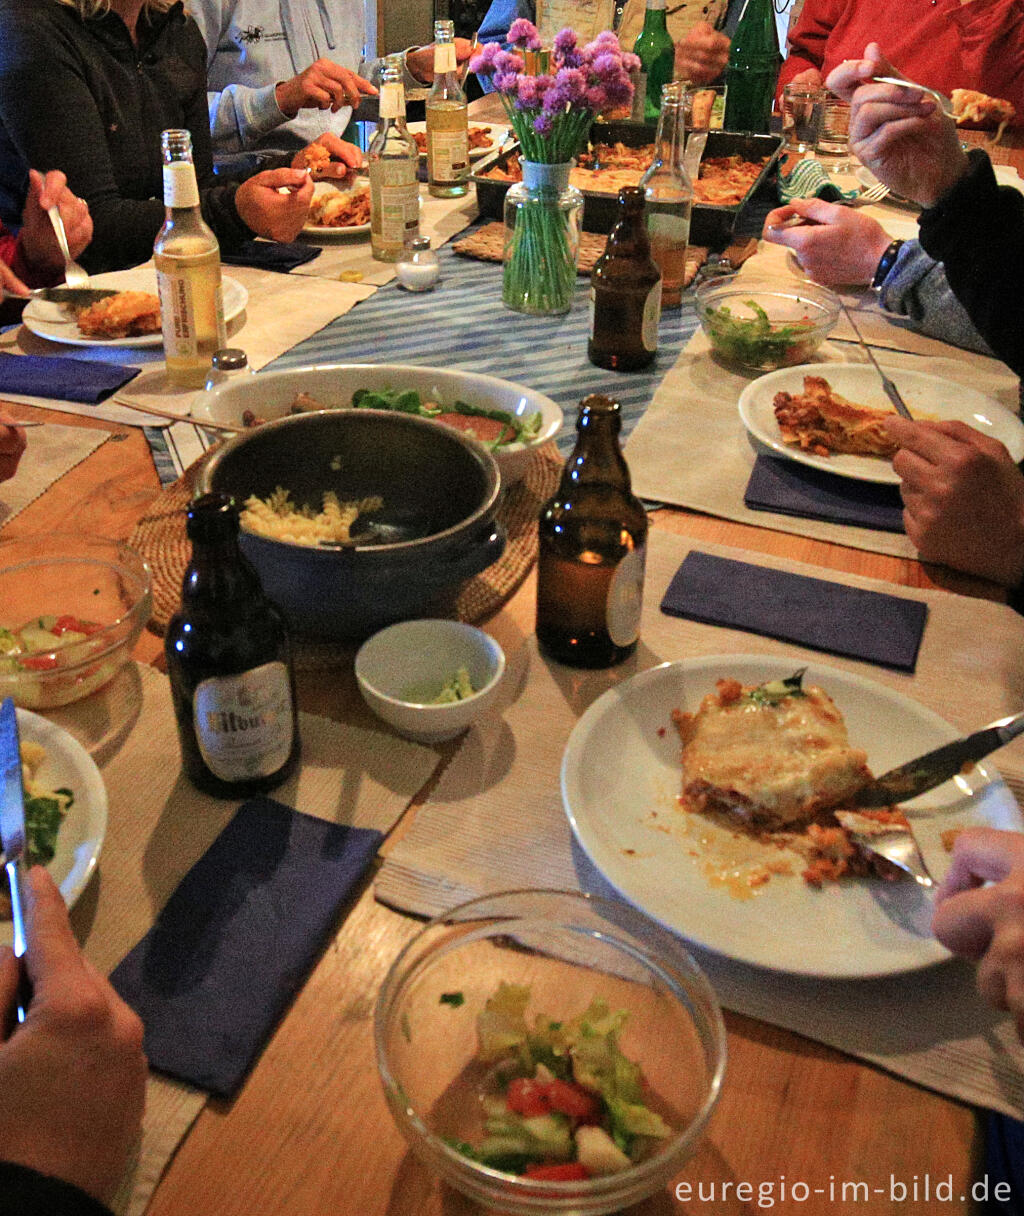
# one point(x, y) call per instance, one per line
point(275, 203)
point(963, 498)
point(702, 55)
point(420, 62)
point(9, 281)
point(809, 78)
point(37, 240)
point(836, 244)
point(899, 133)
point(72, 1076)
point(12, 444)
point(345, 159)
point(324, 85)
point(986, 923)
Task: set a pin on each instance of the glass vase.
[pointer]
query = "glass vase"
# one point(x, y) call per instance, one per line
point(542, 240)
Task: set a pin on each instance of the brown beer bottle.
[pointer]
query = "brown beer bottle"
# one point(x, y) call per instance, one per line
point(593, 544)
point(229, 662)
point(625, 292)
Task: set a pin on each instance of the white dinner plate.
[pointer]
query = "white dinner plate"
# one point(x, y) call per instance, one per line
point(622, 764)
point(49, 320)
point(328, 230)
point(68, 765)
point(867, 179)
point(926, 396)
point(498, 134)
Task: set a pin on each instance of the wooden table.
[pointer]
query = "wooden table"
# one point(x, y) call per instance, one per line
point(310, 1134)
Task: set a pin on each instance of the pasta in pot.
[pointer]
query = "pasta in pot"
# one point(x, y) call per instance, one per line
point(279, 518)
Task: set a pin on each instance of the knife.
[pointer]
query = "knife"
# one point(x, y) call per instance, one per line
point(74, 297)
point(927, 771)
point(891, 391)
point(13, 834)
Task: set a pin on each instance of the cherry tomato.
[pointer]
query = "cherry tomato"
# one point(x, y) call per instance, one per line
point(572, 1100)
point(561, 1171)
point(528, 1097)
point(39, 662)
point(71, 624)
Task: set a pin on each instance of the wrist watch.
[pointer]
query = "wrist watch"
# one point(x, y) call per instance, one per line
point(885, 263)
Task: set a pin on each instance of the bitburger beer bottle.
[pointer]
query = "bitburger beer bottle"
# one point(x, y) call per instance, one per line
point(593, 545)
point(229, 662)
point(625, 292)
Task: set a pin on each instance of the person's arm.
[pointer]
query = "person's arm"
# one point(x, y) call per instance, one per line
point(917, 288)
point(808, 38)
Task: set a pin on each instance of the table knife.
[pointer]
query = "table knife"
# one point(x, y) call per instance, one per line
point(932, 769)
point(891, 391)
point(13, 833)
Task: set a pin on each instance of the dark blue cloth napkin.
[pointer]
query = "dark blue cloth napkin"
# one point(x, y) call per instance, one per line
point(271, 255)
point(796, 489)
point(84, 380)
point(237, 938)
point(883, 629)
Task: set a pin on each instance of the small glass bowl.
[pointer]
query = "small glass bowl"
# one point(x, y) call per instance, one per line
point(100, 581)
point(798, 318)
point(570, 949)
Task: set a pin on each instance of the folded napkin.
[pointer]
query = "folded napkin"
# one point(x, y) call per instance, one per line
point(883, 629)
point(271, 255)
point(810, 180)
point(795, 489)
point(237, 938)
point(84, 380)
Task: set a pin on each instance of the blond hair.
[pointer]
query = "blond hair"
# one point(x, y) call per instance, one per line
point(87, 9)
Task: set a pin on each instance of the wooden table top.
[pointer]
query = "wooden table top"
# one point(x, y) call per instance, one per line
point(310, 1132)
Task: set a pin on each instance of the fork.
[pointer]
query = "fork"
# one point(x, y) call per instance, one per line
point(74, 275)
point(943, 102)
point(873, 194)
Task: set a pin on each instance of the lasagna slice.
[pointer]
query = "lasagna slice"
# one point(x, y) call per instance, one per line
point(128, 314)
point(818, 420)
point(775, 755)
point(978, 110)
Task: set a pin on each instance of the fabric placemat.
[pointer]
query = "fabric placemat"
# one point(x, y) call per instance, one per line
point(269, 888)
point(815, 612)
point(795, 489)
point(160, 537)
point(691, 449)
point(52, 451)
point(159, 826)
point(495, 821)
point(84, 380)
point(281, 256)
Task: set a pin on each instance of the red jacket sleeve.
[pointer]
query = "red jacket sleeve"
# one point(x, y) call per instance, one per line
point(807, 38)
point(7, 244)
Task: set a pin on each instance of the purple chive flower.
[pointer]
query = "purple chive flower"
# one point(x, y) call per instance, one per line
point(597, 99)
point(569, 88)
point(529, 95)
point(506, 82)
point(483, 63)
point(523, 34)
point(543, 124)
point(607, 65)
point(565, 42)
point(506, 62)
point(630, 62)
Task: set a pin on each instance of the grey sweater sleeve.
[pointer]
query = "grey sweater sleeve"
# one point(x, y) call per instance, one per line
point(917, 288)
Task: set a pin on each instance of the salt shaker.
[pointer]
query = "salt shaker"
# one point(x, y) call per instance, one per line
point(418, 268)
point(229, 363)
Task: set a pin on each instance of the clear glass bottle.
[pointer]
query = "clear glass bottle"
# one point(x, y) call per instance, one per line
point(393, 159)
point(625, 292)
point(657, 54)
point(418, 269)
point(752, 69)
point(187, 259)
point(592, 549)
point(668, 193)
point(229, 663)
point(447, 121)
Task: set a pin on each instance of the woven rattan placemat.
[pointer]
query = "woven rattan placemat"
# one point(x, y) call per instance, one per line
point(160, 537)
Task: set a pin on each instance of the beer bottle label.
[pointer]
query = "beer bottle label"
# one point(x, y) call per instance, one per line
point(652, 315)
point(244, 723)
point(626, 597)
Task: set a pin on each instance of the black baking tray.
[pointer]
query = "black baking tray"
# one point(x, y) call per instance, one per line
point(709, 225)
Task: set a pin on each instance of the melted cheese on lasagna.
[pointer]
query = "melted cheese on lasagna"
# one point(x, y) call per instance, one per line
point(773, 760)
point(820, 421)
point(974, 109)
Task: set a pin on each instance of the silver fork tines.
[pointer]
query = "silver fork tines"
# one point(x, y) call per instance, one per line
point(74, 275)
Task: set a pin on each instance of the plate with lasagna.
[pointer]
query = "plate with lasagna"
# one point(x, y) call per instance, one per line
point(703, 792)
point(339, 212)
point(129, 318)
point(832, 416)
point(482, 138)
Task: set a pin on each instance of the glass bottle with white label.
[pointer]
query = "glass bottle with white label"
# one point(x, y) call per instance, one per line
point(187, 259)
point(229, 663)
point(668, 195)
point(592, 549)
point(447, 122)
point(625, 292)
point(393, 159)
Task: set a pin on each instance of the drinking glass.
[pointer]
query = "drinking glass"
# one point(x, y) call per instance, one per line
point(835, 134)
point(803, 114)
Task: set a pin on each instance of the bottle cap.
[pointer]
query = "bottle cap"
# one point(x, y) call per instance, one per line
point(418, 243)
point(230, 359)
point(598, 403)
point(631, 197)
point(212, 517)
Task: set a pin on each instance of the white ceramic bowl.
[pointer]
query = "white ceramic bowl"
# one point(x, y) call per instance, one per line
point(270, 394)
point(400, 668)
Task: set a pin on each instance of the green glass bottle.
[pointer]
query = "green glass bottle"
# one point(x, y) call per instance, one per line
point(657, 54)
point(752, 70)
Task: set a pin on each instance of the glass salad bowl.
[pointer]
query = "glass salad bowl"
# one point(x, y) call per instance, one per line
point(71, 609)
point(545, 1051)
point(765, 324)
